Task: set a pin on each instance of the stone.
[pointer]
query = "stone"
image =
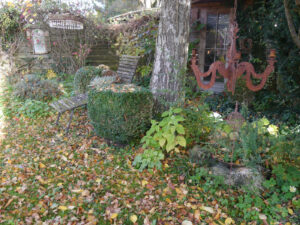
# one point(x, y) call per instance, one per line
point(199, 155)
point(234, 176)
point(238, 176)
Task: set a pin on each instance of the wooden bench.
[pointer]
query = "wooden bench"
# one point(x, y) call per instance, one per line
point(126, 71)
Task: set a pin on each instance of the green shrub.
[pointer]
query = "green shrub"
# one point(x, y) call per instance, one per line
point(84, 76)
point(120, 113)
point(33, 87)
point(198, 124)
point(10, 25)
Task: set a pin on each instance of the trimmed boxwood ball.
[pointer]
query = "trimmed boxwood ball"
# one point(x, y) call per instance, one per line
point(84, 76)
point(120, 113)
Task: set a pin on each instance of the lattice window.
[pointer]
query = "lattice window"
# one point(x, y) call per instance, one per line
point(217, 38)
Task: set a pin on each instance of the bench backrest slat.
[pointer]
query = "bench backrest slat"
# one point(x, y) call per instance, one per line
point(127, 67)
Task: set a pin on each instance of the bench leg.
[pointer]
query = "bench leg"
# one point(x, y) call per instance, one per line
point(70, 120)
point(58, 117)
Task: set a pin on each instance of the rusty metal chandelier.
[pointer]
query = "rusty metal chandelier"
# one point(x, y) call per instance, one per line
point(233, 69)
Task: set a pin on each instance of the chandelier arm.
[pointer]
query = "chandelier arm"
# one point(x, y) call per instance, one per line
point(197, 71)
point(216, 66)
point(253, 87)
point(249, 69)
point(199, 75)
point(245, 66)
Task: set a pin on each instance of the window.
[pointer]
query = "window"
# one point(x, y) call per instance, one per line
point(213, 39)
point(217, 38)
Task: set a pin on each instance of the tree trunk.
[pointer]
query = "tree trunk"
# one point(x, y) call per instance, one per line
point(292, 29)
point(147, 3)
point(171, 55)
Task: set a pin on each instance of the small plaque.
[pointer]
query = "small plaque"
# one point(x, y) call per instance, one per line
point(39, 42)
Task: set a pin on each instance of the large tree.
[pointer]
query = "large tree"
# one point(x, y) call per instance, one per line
point(171, 52)
point(295, 36)
point(150, 3)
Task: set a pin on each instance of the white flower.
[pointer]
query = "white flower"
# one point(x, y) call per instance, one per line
point(273, 130)
point(217, 116)
point(293, 189)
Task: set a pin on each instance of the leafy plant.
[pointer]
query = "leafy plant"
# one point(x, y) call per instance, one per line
point(150, 159)
point(249, 145)
point(10, 24)
point(102, 82)
point(33, 87)
point(198, 123)
point(34, 109)
point(84, 76)
point(167, 134)
point(144, 77)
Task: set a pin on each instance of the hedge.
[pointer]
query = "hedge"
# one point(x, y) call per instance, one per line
point(120, 113)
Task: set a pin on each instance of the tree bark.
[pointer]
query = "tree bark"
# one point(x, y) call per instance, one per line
point(171, 55)
point(147, 3)
point(292, 29)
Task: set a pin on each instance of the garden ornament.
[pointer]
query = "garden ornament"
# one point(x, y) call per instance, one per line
point(235, 119)
point(232, 70)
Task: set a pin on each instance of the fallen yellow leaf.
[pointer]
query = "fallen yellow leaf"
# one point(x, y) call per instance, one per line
point(41, 180)
point(42, 166)
point(133, 218)
point(207, 209)
point(62, 208)
point(77, 190)
point(290, 211)
point(144, 182)
point(197, 215)
point(229, 221)
point(168, 200)
point(98, 180)
point(114, 215)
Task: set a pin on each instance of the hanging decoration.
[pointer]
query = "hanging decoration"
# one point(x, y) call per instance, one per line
point(233, 69)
